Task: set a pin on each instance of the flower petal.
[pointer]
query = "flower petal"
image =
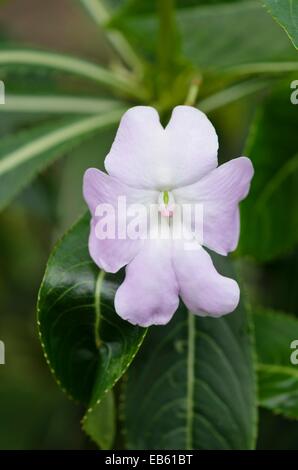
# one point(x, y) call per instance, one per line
point(203, 290)
point(149, 293)
point(220, 193)
point(145, 155)
point(193, 145)
point(137, 148)
point(111, 254)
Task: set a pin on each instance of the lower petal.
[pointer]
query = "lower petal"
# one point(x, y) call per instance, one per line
point(113, 252)
point(149, 293)
point(202, 288)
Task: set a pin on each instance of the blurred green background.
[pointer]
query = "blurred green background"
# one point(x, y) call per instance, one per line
point(34, 413)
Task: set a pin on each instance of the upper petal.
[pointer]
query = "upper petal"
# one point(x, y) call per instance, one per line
point(145, 155)
point(111, 254)
point(137, 148)
point(193, 145)
point(220, 192)
point(149, 293)
point(203, 290)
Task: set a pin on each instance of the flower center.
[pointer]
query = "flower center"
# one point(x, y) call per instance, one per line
point(166, 203)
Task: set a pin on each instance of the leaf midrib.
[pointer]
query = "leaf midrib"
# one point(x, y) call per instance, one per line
point(289, 167)
point(191, 324)
point(97, 295)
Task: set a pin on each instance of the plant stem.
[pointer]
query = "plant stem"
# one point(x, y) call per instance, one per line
point(193, 91)
point(166, 35)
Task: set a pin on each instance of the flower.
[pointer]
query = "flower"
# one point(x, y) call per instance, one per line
point(169, 166)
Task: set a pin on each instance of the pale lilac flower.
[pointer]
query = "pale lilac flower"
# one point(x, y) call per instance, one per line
point(146, 162)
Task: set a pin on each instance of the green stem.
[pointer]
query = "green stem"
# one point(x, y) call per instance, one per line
point(166, 10)
point(193, 91)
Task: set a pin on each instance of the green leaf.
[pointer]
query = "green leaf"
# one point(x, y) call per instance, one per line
point(272, 204)
point(129, 7)
point(17, 58)
point(233, 93)
point(285, 12)
point(87, 345)
point(192, 385)
point(202, 43)
point(101, 15)
point(205, 48)
point(23, 155)
point(277, 375)
point(57, 104)
point(101, 425)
